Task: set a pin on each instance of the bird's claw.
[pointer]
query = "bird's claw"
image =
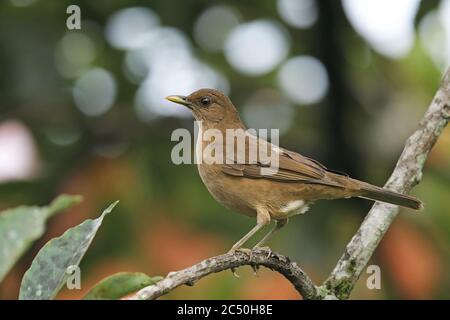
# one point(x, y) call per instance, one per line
point(255, 269)
point(248, 252)
point(265, 248)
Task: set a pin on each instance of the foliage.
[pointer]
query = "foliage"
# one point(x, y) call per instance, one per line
point(21, 226)
point(48, 272)
point(119, 285)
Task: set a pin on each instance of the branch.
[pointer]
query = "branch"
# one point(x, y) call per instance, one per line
point(406, 175)
point(256, 258)
point(359, 250)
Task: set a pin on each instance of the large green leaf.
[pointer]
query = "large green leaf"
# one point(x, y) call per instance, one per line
point(48, 272)
point(119, 285)
point(20, 226)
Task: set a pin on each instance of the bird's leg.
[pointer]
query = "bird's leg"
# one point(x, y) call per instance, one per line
point(244, 239)
point(278, 225)
point(262, 219)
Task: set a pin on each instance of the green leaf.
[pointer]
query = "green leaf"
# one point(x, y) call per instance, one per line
point(48, 272)
point(21, 226)
point(119, 285)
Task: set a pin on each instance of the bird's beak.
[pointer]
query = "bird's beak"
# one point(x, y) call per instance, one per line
point(180, 100)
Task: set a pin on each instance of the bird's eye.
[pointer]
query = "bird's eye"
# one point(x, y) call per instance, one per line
point(205, 101)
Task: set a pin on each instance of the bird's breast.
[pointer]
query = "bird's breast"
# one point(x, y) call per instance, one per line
point(227, 190)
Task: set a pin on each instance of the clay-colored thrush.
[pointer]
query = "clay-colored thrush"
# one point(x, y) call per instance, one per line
point(245, 187)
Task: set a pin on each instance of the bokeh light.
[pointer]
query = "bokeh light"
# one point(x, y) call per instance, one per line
point(162, 47)
point(268, 109)
point(213, 26)
point(164, 65)
point(387, 25)
point(257, 47)
point(135, 65)
point(95, 91)
point(434, 31)
point(181, 77)
point(73, 54)
point(298, 13)
point(444, 15)
point(127, 28)
point(19, 158)
point(304, 79)
point(63, 136)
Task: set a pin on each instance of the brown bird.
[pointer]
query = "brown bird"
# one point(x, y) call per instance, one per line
point(250, 187)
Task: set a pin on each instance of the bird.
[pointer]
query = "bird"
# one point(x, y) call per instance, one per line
point(250, 188)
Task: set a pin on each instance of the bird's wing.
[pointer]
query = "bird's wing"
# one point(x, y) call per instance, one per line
point(292, 167)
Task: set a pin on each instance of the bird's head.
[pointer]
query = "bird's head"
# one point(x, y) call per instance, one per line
point(209, 105)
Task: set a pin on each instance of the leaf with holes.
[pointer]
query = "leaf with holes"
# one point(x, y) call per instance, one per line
point(48, 272)
point(21, 226)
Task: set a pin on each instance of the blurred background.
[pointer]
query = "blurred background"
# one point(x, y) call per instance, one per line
point(346, 82)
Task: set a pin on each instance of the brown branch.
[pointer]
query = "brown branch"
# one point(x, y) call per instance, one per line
point(257, 257)
point(359, 250)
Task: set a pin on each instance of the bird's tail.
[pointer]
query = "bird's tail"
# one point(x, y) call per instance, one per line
point(379, 194)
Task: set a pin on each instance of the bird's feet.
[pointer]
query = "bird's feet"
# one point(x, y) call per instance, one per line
point(248, 252)
point(265, 248)
point(233, 271)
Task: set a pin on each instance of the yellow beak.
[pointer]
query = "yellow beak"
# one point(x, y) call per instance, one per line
point(178, 99)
